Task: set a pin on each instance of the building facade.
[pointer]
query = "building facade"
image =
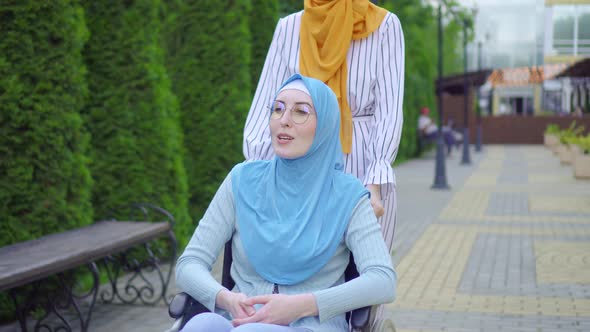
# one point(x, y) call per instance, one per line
point(566, 31)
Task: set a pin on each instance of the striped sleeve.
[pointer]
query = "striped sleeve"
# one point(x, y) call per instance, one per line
point(257, 144)
point(386, 133)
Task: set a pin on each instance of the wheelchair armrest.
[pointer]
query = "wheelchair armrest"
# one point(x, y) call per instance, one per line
point(178, 305)
point(359, 318)
point(184, 307)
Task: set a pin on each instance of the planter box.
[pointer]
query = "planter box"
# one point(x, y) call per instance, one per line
point(576, 151)
point(555, 149)
point(582, 166)
point(565, 155)
point(550, 140)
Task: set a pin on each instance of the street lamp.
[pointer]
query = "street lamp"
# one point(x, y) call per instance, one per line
point(466, 23)
point(478, 106)
point(440, 176)
point(466, 159)
point(478, 133)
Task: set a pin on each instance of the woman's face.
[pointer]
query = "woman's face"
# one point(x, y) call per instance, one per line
point(292, 139)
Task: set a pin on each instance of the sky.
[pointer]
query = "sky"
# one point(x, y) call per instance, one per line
point(506, 20)
point(511, 31)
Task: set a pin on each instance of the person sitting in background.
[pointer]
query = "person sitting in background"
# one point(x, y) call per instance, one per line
point(293, 222)
point(456, 134)
point(428, 130)
point(426, 126)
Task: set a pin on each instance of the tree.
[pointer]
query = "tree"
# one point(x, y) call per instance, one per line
point(209, 61)
point(419, 23)
point(263, 19)
point(43, 169)
point(132, 114)
point(44, 179)
point(287, 7)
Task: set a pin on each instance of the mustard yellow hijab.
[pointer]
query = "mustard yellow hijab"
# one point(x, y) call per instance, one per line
point(327, 28)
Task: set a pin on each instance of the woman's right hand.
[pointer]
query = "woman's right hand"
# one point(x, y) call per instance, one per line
point(234, 303)
point(376, 202)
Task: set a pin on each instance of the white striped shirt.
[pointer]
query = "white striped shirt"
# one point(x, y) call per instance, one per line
point(375, 94)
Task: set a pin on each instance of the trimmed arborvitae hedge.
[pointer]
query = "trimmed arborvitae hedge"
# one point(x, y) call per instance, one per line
point(420, 28)
point(290, 6)
point(209, 64)
point(132, 113)
point(263, 20)
point(419, 22)
point(45, 183)
point(44, 179)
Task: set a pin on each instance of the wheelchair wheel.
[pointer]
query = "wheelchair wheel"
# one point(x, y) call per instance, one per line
point(383, 325)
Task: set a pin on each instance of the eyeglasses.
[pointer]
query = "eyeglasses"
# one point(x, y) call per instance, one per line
point(300, 112)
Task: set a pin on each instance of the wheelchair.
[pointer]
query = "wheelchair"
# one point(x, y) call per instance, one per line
point(183, 307)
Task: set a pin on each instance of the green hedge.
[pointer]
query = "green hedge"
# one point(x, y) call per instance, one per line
point(209, 59)
point(45, 183)
point(263, 20)
point(287, 7)
point(132, 114)
point(419, 23)
point(44, 179)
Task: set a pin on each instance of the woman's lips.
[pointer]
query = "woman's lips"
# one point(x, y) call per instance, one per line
point(284, 138)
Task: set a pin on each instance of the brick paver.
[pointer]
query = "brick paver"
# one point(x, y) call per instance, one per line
point(507, 248)
point(509, 252)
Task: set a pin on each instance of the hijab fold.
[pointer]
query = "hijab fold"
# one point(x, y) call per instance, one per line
point(327, 28)
point(293, 213)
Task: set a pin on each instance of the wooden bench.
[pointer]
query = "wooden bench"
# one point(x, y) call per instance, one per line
point(26, 267)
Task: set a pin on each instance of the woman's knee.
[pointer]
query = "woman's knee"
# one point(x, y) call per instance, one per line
point(207, 322)
point(251, 327)
point(261, 327)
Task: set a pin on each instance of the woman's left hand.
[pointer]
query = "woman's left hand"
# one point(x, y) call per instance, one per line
point(376, 202)
point(279, 309)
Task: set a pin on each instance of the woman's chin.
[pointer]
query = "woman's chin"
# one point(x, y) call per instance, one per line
point(287, 153)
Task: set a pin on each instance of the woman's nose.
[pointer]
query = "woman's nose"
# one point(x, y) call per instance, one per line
point(286, 119)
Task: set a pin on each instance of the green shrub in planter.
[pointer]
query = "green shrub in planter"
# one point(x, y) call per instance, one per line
point(566, 135)
point(132, 115)
point(584, 144)
point(552, 129)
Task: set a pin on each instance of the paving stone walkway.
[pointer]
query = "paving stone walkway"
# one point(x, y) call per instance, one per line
point(506, 248)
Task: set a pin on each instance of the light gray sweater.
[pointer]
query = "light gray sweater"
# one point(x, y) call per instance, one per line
point(334, 297)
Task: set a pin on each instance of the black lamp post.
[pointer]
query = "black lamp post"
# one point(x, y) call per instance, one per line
point(478, 108)
point(466, 159)
point(440, 176)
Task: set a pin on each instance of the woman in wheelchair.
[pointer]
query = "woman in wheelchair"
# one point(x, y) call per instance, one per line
point(293, 222)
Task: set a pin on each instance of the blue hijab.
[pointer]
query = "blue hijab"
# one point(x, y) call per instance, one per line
point(293, 213)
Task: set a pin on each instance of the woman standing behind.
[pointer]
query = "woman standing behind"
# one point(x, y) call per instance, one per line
point(356, 48)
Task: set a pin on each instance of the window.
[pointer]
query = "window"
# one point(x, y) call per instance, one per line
point(571, 29)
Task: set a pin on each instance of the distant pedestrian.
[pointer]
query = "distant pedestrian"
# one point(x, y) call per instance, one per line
point(429, 130)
